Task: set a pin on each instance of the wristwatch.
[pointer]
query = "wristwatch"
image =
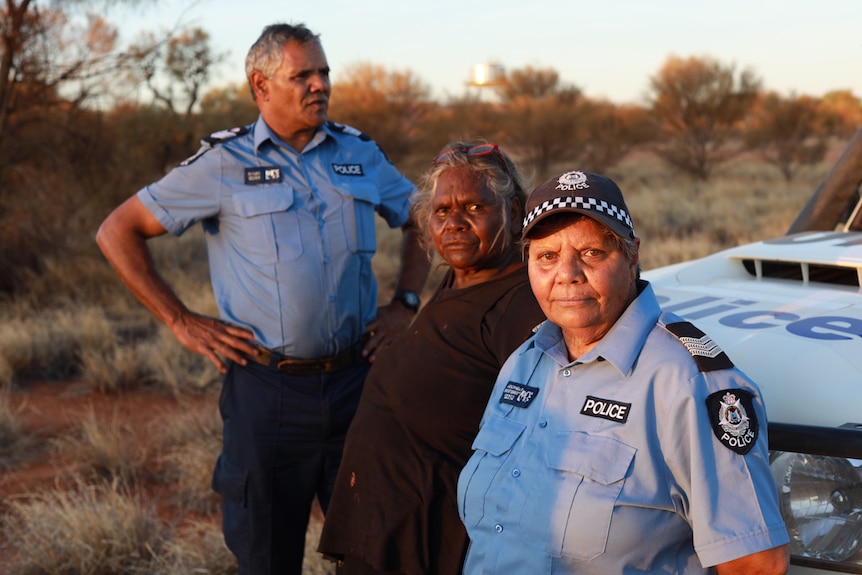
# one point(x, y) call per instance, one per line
point(410, 299)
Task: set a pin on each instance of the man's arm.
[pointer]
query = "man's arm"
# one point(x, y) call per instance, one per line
point(773, 561)
point(412, 274)
point(122, 237)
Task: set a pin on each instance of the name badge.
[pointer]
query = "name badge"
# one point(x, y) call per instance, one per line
point(262, 175)
point(518, 394)
point(606, 409)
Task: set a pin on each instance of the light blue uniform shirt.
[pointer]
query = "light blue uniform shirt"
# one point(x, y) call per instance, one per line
point(609, 464)
point(290, 235)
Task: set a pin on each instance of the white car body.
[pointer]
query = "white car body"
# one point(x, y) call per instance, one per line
point(801, 341)
point(788, 312)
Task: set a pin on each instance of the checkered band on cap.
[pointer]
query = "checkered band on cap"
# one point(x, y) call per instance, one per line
point(591, 194)
point(582, 203)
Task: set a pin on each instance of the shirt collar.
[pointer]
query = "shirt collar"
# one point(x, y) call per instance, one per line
point(623, 342)
point(262, 133)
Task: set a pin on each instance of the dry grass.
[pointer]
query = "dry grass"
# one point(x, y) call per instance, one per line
point(191, 444)
point(197, 549)
point(116, 368)
point(48, 344)
point(103, 450)
point(679, 219)
point(15, 444)
point(85, 531)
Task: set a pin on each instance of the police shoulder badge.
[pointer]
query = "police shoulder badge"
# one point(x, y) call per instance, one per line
point(733, 419)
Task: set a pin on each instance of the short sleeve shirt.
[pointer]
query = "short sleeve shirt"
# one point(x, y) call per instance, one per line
point(290, 234)
point(610, 464)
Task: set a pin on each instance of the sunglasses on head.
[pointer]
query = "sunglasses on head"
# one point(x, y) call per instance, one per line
point(474, 151)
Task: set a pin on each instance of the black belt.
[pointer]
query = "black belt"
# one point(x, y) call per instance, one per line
point(317, 366)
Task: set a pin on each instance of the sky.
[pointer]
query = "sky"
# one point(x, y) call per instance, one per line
point(607, 48)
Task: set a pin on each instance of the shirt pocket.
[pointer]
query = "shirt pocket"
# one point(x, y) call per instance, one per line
point(492, 446)
point(358, 216)
point(570, 515)
point(268, 226)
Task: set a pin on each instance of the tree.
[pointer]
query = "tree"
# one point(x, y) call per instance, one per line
point(699, 105)
point(226, 107)
point(541, 117)
point(787, 132)
point(177, 70)
point(531, 82)
point(388, 105)
point(466, 118)
point(612, 132)
point(57, 66)
point(842, 112)
point(51, 67)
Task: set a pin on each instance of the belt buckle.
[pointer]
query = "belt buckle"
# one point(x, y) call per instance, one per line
point(317, 366)
point(263, 356)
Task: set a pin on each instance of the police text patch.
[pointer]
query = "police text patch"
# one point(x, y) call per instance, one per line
point(518, 394)
point(606, 409)
point(348, 169)
point(734, 422)
point(263, 175)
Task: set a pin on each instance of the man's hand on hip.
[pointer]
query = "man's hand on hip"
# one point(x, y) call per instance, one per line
point(213, 338)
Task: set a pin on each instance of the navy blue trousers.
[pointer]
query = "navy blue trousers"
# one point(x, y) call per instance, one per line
point(283, 436)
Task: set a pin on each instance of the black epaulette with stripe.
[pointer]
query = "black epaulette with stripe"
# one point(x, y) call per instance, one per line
point(345, 129)
point(706, 353)
point(214, 139)
point(223, 135)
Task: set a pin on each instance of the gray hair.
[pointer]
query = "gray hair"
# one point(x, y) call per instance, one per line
point(267, 53)
point(499, 174)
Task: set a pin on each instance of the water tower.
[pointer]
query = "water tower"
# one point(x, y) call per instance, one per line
point(486, 75)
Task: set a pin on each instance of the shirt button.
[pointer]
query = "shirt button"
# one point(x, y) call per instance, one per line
point(498, 528)
point(567, 372)
point(516, 473)
point(543, 424)
point(332, 298)
point(326, 260)
point(320, 223)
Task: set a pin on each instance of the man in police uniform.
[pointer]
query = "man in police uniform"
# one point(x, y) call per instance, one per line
point(618, 439)
point(287, 205)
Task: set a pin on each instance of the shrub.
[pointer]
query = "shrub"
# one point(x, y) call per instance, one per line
point(191, 444)
point(87, 531)
point(104, 450)
point(15, 444)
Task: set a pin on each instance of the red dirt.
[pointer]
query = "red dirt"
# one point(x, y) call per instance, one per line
point(51, 410)
point(48, 411)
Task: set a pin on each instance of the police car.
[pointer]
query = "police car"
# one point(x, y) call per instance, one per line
point(788, 312)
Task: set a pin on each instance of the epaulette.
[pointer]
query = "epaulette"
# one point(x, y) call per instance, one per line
point(223, 135)
point(208, 142)
point(345, 129)
point(706, 353)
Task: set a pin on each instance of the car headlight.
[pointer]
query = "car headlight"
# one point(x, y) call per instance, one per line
point(821, 502)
